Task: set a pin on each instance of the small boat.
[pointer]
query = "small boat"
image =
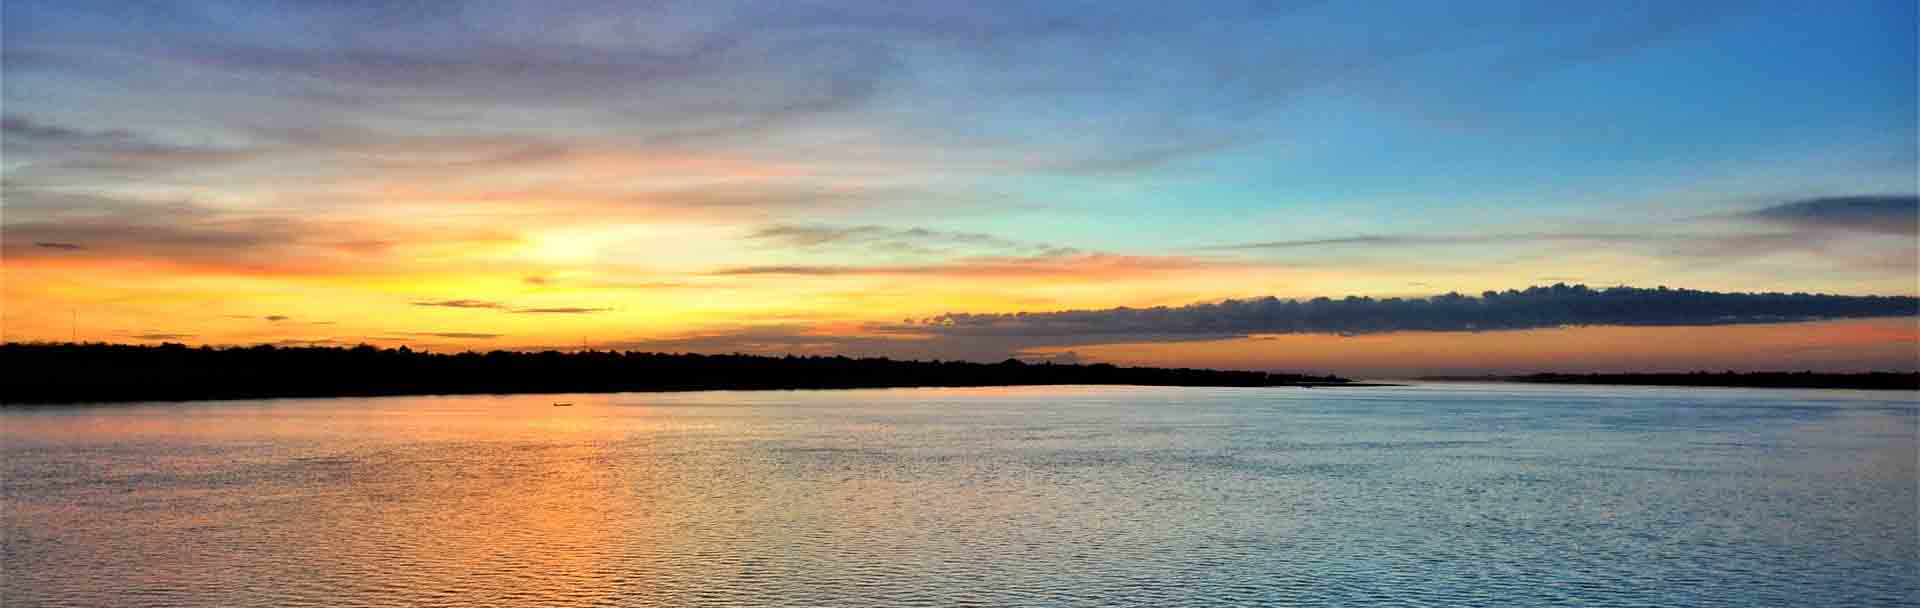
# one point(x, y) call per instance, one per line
point(563, 405)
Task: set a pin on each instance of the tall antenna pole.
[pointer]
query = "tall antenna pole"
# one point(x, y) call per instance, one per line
point(74, 326)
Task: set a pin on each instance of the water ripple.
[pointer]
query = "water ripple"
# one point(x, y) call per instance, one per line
point(1057, 496)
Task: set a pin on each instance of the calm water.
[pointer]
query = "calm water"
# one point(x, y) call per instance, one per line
point(1065, 496)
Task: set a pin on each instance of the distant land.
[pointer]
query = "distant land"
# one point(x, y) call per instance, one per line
point(46, 373)
point(1906, 381)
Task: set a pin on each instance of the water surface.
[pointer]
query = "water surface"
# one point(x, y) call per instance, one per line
point(1054, 496)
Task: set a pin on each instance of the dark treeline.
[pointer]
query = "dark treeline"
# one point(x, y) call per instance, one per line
point(1869, 380)
point(73, 373)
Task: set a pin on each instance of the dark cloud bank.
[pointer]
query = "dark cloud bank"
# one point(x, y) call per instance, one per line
point(1885, 214)
point(1034, 335)
point(1536, 307)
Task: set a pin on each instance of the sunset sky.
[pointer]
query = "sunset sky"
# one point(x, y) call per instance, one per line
point(823, 177)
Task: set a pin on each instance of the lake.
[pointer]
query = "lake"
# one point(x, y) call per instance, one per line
point(1468, 494)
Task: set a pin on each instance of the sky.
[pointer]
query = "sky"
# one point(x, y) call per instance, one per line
point(819, 177)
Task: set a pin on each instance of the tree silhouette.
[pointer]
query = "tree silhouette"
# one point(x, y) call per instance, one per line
point(70, 373)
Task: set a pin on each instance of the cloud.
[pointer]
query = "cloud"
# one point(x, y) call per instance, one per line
point(909, 241)
point(1535, 307)
point(1879, 214)
point(631, 188)
point(1091, 266)
point(808, 236)
point(588, 283)
point(713, 74)
point(55, 148)
point(559, 310)
point(160, 336)
point(17, 128)
point(104, 227)
point(501, 306)
point(276, 319)
point(648, 285)
point(461, 335)
point(812, 270)
point(665, 75)
point(1643, 25)
point(309, 343)
point(154, 240)
point(1830, 227)
point(1370, 240)
point(461, 304)
point(108, 225)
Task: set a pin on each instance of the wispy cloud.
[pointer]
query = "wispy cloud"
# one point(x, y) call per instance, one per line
point(58, 148)
point(1375, 240)
point(1081, 266)
point(313, 342)
point(461, 304)
point(503, 307)
point(79, 225)
point(1882, 214)
point(559, 310)
point(702, 74)
point(598, 283)
point(811, 270)
point(650, 285)
point(1827, 226)
point(160, 336)
point(915, 241)
point(17, 127)
point(276, 319)
point(458, 335)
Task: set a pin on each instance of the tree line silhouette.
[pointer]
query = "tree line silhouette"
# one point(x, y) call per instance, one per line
point(1803, 379)
point(99, 372)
